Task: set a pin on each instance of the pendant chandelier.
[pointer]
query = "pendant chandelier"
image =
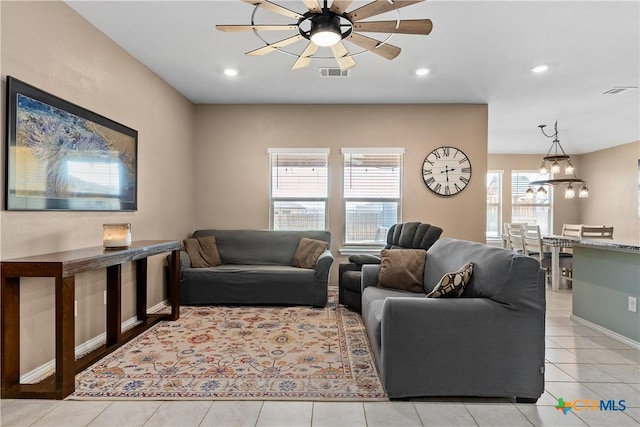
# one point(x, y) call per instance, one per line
point(555, 156)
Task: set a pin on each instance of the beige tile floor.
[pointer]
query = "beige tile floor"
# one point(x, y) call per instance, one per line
point(581, 364)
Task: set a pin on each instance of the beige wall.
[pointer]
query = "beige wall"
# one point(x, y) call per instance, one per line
point(50, 46)
point(612, 176)
point(564, 211)
point(232, 165)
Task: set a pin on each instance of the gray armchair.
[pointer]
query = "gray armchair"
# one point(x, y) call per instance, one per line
point(407, 235)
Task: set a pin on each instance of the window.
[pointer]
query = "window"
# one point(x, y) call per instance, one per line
point(372, 179)
point(494, 204)
point(532, 209)
point(299, 188)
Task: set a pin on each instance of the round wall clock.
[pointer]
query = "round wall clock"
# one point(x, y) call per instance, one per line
point(446, 171)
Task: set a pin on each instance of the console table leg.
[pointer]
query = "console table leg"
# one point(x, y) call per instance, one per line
point(174, 283)
point(114, 302)
point(65, 337)
point(10, 358)
point(141, 289)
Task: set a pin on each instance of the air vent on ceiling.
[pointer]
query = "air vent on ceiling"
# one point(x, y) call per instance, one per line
point(618, 90)
point(333, 72)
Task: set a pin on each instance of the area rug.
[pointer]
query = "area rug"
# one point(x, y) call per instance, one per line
point(242, 353)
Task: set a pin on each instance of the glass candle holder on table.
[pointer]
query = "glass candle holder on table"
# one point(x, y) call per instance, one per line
point(116, 236)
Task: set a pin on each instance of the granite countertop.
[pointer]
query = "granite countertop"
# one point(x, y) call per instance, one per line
point(608, 244)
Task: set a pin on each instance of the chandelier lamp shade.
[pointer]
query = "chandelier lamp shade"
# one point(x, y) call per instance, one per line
point(551, 163)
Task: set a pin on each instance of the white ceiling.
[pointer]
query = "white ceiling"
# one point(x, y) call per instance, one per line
point(478, 52)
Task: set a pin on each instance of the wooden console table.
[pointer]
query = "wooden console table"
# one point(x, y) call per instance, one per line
point(63, 266)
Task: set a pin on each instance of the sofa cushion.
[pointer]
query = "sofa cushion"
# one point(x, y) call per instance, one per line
point(452, 284)
point(203, 252)
point(308, 252)
point(402, 269)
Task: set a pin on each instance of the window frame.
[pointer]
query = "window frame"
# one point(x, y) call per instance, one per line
point(498, 205)
point(374, 247)
point(549, 205)
point(273, 200)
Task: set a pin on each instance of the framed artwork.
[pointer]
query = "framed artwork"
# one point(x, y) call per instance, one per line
point(60, 156)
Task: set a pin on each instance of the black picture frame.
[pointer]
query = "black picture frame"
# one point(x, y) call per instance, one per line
point(62, 157)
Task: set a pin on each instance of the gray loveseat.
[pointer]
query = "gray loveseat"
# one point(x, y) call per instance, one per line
point(256, 269)
point(487, 342)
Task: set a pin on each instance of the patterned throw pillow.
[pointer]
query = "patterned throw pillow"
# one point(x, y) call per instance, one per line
point(452, 284)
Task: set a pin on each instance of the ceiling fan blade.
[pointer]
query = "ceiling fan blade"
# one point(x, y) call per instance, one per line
point(412, 26)
point(377, 7)
point(388, 51)
point(313, 6)
point(345, 61)
point(339, 6)
point(275, 8)
point(236, 28)
point(305, 57)
point(273, 46)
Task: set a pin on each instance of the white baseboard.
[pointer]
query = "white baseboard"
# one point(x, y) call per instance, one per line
point(616, 336)
point(43, 371)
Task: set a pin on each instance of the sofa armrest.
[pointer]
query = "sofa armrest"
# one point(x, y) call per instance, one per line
point(185, 260)
point(468, 333)
point(362, 259)
point(370, 275)
point(323, 265)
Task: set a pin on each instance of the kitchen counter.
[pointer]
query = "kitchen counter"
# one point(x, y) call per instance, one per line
point(606, 284)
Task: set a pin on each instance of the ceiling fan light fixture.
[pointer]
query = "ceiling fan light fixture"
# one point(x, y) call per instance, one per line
point(325, 30)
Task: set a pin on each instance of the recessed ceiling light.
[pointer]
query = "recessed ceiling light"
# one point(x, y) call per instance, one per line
point(421, 72)
point(230, 72)
point(540, 68)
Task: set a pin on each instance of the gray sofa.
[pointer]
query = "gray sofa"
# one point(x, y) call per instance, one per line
point(487, 342)
point(256, 269)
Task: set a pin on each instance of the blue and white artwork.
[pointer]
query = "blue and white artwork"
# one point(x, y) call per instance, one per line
point(60, 160)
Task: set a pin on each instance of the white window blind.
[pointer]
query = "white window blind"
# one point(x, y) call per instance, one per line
point(299, 189)
point(372, 182)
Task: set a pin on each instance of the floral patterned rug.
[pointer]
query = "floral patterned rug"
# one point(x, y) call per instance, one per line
point(242, 353)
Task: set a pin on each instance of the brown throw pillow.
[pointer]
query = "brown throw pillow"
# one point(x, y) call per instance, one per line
point(402, 269)
point(203, 252)
point(452, 284)
point(308, 252)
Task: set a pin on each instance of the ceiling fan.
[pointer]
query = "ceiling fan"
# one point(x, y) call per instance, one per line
point(329, 26)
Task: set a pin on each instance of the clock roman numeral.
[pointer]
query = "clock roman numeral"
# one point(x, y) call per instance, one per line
point(435, 153)
point(466, 170)
point(457, 188)
point(427, 171)
point(447, 192)
point(445, 151)
point(430, 181)
point(437, 188)
point(464, 179)
point(461, 161)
